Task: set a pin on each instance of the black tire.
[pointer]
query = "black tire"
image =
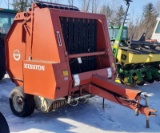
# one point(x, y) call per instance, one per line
point(2, 59)
point(4, 128)
point(150, 81)
point(157, 79)
point(21, 104)
point(141, 83)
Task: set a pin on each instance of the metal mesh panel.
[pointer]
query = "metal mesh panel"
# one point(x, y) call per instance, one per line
point(80, 37)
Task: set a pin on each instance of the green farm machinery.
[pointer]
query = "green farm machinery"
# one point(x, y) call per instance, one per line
point(113, 32)
point(6, 19)
point(138, 61)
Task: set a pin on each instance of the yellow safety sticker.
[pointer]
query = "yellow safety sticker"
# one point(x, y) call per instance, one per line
point(65, 73)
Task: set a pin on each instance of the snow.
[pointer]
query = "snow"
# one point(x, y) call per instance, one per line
point(84, 118)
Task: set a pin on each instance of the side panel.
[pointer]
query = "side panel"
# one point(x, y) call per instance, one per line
point(45, 79)
point(44, 37)
point(15, 52)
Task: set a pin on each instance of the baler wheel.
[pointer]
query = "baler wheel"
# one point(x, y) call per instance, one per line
point(131, 84)
point(157, 79)
point(127, 83)
point(21, 104)
point(2, 61)
point(4, 128)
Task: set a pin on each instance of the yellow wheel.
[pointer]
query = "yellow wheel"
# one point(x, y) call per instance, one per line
point(117, 80)
point(125, 81)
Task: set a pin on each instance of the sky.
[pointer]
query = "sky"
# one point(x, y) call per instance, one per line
point(136, 7)
point(136, 4)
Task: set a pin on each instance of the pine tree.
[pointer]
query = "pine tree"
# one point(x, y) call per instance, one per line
point(149, 19)
point(107, 11)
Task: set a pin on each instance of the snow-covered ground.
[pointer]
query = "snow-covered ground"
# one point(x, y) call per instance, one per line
point(84, 118)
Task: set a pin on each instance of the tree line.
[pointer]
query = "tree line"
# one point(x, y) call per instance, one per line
point(114, 14)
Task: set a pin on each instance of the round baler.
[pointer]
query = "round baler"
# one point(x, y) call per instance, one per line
point(57, 55)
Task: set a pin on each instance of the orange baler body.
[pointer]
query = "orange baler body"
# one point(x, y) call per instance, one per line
point(37, 58)
point(55, 53)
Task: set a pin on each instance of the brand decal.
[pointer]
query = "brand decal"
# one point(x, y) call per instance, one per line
point(34, 67)
point(16, 55)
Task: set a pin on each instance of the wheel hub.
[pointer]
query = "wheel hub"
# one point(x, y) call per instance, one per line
point(18, 103)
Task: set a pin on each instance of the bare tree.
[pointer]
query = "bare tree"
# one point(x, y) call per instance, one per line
point(71, 2)
point(144, 23)
point(119, 16)
point(134, 28)
point(95, 4)
point(85, 5)
point(55, 1)
point(107, 11)
point(21, 5)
